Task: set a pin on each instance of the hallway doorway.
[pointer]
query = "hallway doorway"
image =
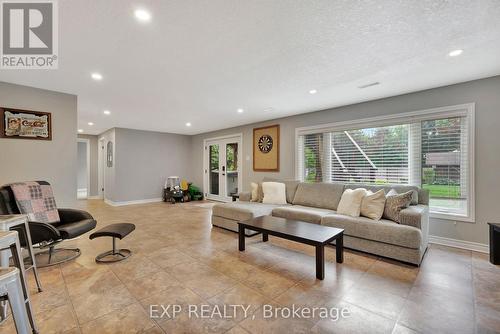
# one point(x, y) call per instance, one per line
point(83, 168)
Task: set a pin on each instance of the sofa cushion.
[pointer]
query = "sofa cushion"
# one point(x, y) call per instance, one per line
point(414, 215)
point(319, 195)
point(303, 213)
point(377, 230)
point(242, 210)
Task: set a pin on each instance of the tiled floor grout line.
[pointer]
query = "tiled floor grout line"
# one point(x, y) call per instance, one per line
point(412, 288)
point(70, 300)
point(365, 273)
point(187, 287)
point(136, 301)
point(103, 315)
point(474, 308)
point(406, 301)
point(242, 282)
point(298, 282)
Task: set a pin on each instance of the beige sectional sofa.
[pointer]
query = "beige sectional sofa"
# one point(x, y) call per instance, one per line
point(316, 203)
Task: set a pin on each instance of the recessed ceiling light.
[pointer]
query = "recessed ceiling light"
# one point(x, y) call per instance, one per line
point(268, 109)
point(188, 124)
point(96, 76)
point(142, 15)
point(313, 91)
point(90, 123)
point(455, 53)
point(107, 112)
point(80, 130)
point(240, 110)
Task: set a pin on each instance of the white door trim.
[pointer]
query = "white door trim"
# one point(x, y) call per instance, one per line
point(87, 142)
point(100, 166)
point(239, 137)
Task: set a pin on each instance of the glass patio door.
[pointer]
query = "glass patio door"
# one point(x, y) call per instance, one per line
point(214, 170)
point(232, 173)
point(222, 168)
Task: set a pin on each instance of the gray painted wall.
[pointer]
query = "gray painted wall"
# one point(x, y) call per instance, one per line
point(94, 191)
point(81, 178)
point(53, 161)
point(143, 159)
point(485, 93)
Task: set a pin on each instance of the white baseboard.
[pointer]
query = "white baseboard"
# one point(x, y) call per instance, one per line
point(473, 246)
point(140, 201)
point(95, 197)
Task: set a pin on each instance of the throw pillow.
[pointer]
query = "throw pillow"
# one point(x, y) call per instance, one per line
point(255, 193)
point(350, 202)
point(395, 202)
point(373, 204)
point(274, 193)
point(36, 201)
point(290, 185)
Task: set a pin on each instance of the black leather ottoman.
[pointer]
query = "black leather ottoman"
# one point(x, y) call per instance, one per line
point(115, 231)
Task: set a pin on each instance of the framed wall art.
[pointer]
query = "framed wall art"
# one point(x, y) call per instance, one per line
point(25, 124)
point(266, 149)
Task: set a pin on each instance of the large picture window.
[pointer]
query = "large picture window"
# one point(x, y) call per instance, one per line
point(431, 149)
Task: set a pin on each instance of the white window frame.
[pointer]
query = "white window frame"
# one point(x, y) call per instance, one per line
point(461, 110)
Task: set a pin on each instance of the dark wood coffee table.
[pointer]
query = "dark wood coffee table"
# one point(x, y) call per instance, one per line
point(315, 235)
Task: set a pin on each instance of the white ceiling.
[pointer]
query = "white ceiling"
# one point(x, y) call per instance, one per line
point(199, 61)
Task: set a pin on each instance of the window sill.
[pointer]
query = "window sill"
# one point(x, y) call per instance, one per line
point(451, 216)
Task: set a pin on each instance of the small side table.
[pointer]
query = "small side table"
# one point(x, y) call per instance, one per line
point(494, 243)
point(8, 221)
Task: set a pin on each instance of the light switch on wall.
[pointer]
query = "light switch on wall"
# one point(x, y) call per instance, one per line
point(247, 158)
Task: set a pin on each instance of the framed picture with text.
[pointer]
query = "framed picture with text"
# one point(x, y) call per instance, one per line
point(266, 149)
point(25, 124)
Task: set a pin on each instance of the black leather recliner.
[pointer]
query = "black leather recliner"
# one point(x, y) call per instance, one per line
point(44, 235)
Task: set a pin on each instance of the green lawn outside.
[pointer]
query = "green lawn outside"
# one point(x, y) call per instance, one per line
point(442, 191)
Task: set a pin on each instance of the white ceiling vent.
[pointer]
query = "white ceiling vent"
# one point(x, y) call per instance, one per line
point(369, 85)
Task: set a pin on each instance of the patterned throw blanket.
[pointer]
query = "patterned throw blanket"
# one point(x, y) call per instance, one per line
point(36, 200)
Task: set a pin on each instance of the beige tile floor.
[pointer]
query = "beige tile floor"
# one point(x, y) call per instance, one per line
point(180, 259)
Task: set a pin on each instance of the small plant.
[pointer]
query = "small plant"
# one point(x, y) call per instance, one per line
point(195, 192)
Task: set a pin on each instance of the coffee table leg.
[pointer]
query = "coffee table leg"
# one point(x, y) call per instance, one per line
point(339, 248)
point(241, 238)
point(265, 237)
point(320, 262)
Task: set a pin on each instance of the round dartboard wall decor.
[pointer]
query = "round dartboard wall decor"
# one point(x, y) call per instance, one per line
point(265, 143)
point(266, 148)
